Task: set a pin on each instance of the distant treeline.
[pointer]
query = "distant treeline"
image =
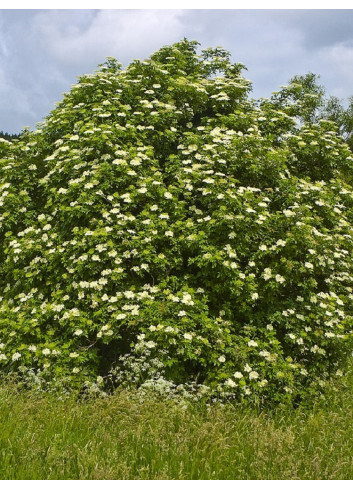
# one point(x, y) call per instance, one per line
point(6, 135)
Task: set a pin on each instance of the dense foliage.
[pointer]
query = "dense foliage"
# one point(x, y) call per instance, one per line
point(161, 228)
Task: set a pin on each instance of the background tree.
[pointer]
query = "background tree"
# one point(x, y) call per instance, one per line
point(335, 111)
point(305, 99)
point(7, 136)
point(302, 98)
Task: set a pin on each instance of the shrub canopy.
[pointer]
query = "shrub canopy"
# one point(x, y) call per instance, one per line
point(162, 226)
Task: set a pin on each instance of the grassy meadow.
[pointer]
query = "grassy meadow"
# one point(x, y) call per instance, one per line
point(43, 437)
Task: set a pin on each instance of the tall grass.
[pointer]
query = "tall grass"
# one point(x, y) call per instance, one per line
point(42, 437)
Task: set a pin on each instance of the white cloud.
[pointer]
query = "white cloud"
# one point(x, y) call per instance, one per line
point(87, 39)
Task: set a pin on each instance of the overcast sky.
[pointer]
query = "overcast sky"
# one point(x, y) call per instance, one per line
point(43, 51)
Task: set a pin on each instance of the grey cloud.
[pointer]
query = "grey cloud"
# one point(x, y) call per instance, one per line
point(319, 28)
point(43, 51)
